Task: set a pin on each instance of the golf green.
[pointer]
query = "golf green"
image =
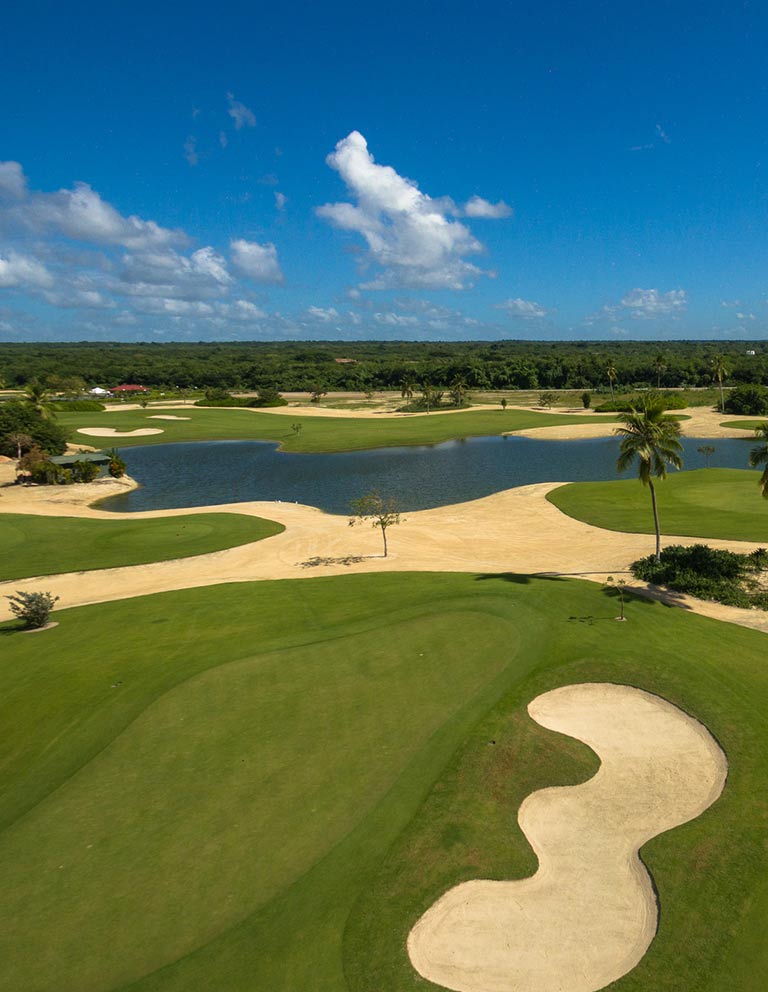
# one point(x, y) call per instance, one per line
point(262, 786)
point(719, 503)
point(316, 434)
point(36, 545)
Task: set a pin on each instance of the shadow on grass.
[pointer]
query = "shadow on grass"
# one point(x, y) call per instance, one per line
point(519, 578)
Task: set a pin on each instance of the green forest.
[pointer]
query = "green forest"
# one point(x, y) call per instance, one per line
point(372, 365)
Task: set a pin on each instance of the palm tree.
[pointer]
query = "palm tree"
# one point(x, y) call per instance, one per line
point(651, 438)
point(759, 456)
point(37, 396)
point(407, 388)
point(719, 372)
point(610, 371)
point(659, 367)
point(458, 390)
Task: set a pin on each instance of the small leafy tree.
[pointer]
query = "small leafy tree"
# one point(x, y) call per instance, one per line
point(586, 400)
point(117, 466)
point(21, 440)
point(316, 393)
point(503, 402)
point(84, 471)
point(546, 399)
point(619, 585)
point(296, 429)
point(380, 510)
point(33, 608)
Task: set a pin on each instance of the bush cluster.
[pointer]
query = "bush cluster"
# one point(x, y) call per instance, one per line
point(18, 418)
point(625, 404)
point(749, 401)
point(708, 573)
point(220, 397)
point(77, 406)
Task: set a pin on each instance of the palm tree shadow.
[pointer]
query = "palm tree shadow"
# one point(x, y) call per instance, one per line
point(519, 578)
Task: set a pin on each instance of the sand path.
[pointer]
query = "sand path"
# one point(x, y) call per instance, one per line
point(589, 913)
point(518, 530)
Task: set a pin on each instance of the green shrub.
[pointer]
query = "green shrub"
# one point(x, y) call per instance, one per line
point(77, 406)
point(33, 608)
point(707, 573)
point(625, 404)
point(750, 401)
point(84, 471)
point(586, 400)
point(46, 473)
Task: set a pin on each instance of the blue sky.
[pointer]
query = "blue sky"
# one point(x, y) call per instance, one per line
point(416, 170)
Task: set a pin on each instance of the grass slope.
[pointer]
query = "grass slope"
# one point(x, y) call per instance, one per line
point(719, 503)
point(318, 434)
point(32, 545)
point(261, 786)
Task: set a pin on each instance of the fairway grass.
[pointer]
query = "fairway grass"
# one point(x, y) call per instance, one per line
point(745, 425)
point(718, 503)
point(37, 545)
point(317, 434)
point(263, 786)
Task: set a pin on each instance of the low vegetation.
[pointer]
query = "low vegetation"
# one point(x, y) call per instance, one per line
point(708, 573)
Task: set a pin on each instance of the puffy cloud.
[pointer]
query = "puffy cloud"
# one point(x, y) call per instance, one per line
point(325, 314)
point(648, 304)
point(280, 200)
point(476, 206)
point(202, 275)
point(240, 114)
point(527, 309)
point(81, 214)
point(409, 235)
point(13, 183)
point(258, 262)
point(22, 270)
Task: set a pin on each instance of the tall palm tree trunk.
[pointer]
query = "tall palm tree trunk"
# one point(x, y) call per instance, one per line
point(722, 400)
point(655, 520)
point(384, 536)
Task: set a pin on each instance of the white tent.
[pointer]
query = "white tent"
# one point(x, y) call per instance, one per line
point(98, 391)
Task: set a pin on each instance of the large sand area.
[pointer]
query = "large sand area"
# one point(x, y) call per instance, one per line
point(589, 913)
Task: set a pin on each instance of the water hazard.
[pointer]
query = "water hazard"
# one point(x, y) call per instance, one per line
point(421, 477)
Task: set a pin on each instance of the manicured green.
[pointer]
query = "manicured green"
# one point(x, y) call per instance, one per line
point(721, 503)
point(317, 434)
point(747, 425)
point(32, 545)
point(262, 786)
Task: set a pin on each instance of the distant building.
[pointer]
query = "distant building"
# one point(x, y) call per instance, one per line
point(97, 457)
point(98, 391)
point(345, 361)
point(126, 388)
point(750, 353)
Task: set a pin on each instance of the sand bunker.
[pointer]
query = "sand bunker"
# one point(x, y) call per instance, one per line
point(589, 913)
point(111, 432)
point(170, 416)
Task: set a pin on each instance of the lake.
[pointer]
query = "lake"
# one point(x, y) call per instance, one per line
point(420, 477)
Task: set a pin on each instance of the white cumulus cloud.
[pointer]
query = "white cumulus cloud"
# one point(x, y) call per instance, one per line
point(527, 309)
point(258, 262)
point(476, 206)
point(22, 270)
point(410, 236)
point(648, 304)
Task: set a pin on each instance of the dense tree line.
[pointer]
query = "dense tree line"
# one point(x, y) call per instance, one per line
point(371, 365)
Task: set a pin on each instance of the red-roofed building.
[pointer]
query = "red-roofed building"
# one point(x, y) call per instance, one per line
point(130, 389)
